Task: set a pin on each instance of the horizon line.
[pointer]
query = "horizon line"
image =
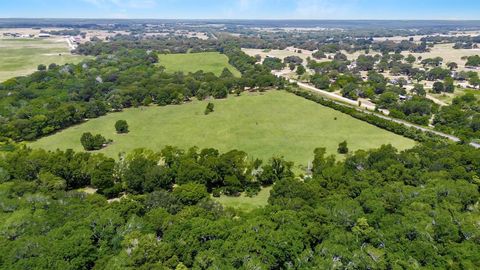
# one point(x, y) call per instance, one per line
point(239, 19)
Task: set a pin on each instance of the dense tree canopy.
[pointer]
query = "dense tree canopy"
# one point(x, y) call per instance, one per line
point(376, 209)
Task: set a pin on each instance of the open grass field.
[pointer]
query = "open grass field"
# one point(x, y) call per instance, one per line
point(192, 62)
point(22, 56)
point(274, 123)
point(245, 203)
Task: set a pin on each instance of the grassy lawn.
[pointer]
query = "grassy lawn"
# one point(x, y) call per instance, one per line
point(274, 123)
point(245, 203)
point(22, 56)
point(192, 62)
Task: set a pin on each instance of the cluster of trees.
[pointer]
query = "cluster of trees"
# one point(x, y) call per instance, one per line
point(92, 142)
point(473, 61)
point(65, 32)
point(273, 63)
point(461, 42)
point(143, 171)
point(377, 209)
point(417, 110)
point(170, 44)
point(462, 118)
point(397, 47)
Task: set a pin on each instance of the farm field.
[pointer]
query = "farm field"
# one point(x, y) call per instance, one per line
point(192, 62)
point(22, 56)
point(268, 124)
point(245, 203)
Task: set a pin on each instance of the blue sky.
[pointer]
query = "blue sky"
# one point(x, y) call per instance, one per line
point(243, 9)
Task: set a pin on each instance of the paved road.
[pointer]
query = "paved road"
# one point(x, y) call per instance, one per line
point(70, 44)
point(368, 109)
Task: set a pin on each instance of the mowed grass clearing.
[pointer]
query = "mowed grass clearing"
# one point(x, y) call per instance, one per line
point(245, 203)
point(21, 57)
point(192, 62)
point(274, 123)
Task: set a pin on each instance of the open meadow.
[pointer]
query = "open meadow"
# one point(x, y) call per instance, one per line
point(273, 123)
point(191, 62)
point(22, 56)
point(245, 203)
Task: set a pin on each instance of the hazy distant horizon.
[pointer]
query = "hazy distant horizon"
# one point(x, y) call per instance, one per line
point(244, 9)
point(264, 23)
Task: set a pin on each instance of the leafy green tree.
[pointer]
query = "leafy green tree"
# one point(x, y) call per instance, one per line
point(438, 87)
point(342, 148)
point(135, 175)
point(419, 90)
point(102, 176)
point(320, 81)
point(52, 66)
point(449, 86)
point(321, 161)
point(190, 193)
point(452, 65)
point(91, 142)
point(350, 91)
point(277, 169)
point(226, 73)
point(473, 61)
point(410, 59)
point(273, 63)
point(121, 126)
point(300, 70)
point(51, 182)
point(210, 108)
point(365, 62)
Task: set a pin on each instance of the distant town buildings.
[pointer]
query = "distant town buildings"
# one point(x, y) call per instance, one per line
point(17, 35)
